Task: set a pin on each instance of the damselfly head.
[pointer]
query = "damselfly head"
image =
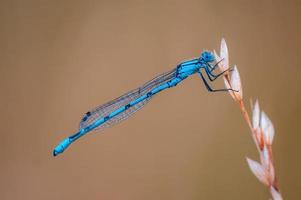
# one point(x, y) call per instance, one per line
point(207, 56)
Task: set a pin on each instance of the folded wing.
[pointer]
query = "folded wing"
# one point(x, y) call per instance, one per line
point(105, 109)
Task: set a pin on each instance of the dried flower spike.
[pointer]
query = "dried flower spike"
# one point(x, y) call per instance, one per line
point(261, 126)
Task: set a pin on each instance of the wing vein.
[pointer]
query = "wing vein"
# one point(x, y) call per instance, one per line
point(105, 109)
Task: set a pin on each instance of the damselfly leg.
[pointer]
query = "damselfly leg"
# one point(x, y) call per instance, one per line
point(208, 87)
point(212, 76)
point(212, 68)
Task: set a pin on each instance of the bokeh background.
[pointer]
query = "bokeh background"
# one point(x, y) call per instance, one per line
point(58, 59)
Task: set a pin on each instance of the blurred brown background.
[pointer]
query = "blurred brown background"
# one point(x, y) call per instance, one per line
point(58, 59)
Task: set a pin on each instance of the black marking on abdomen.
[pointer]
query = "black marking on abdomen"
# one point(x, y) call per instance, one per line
point(149, 94)
point(178, 69)
point(106, 118)
point(127, 106)
point(169, 85)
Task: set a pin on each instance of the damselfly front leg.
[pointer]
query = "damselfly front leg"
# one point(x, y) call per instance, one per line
point(211, 76)
point(215, 66)
point(208, 87)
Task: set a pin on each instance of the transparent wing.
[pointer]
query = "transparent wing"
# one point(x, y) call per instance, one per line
point(105, 109)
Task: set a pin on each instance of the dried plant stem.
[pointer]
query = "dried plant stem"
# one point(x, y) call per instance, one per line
point(267, 173)
point(259, 142)
point(248, 121)
point(262, 129)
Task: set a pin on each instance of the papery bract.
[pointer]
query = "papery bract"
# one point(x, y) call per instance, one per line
point(258, 171)
point(275, 194)
point(265, 158)
point(224, 55)
point(267, 128)
point(235, 83)
point(227, 85)
point(256, 115)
